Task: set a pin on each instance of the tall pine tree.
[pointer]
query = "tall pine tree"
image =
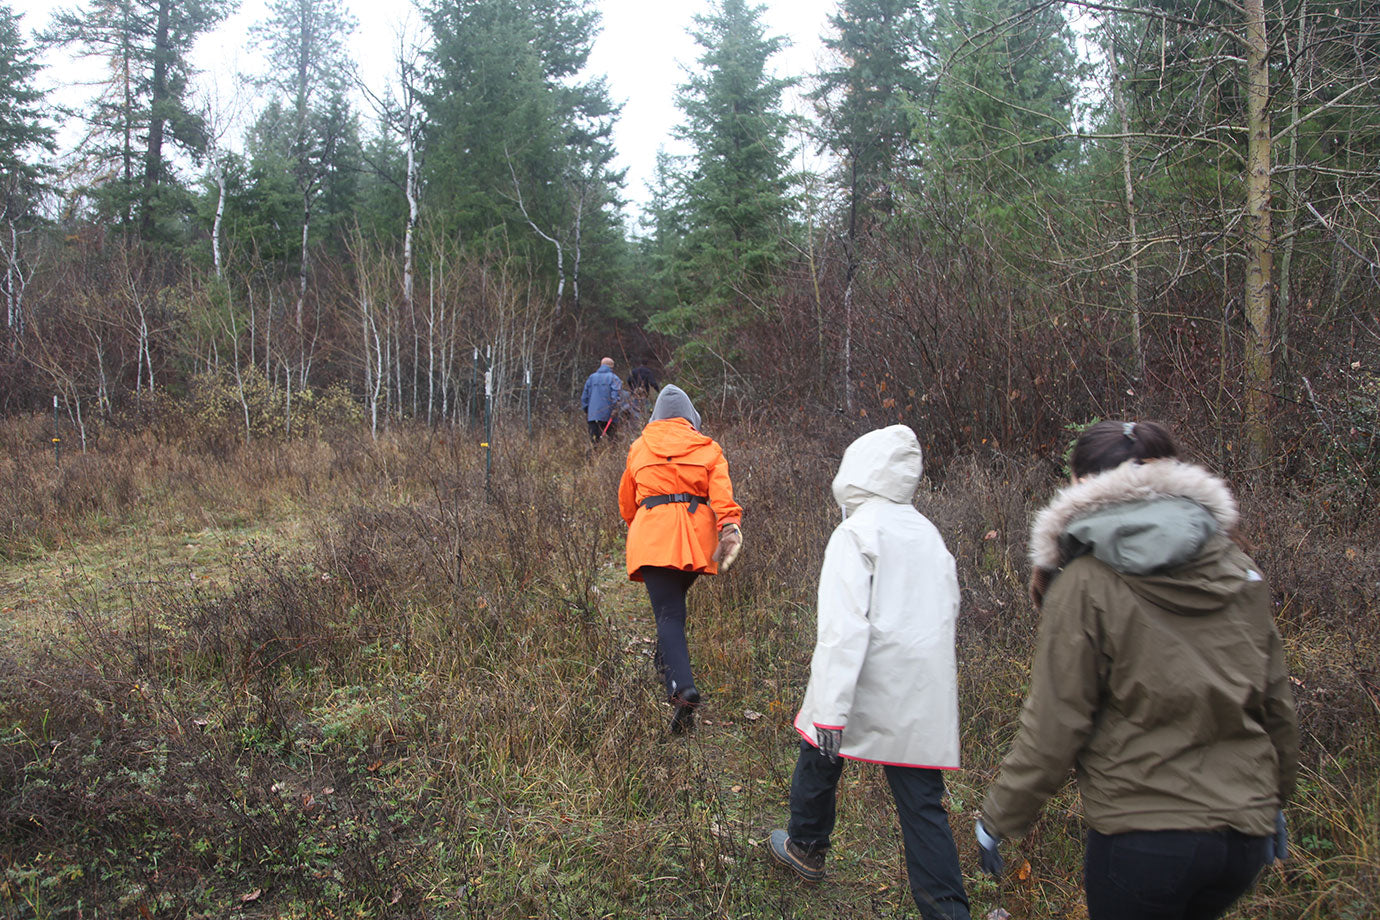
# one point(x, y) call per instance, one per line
point(144, 106)
point(862, 98)
point(1003, 105)
point(24, 134)
point(863, 102)
point(518, 146)
point(735, 201)
point(308, 67)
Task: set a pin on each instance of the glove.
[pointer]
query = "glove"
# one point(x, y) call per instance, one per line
point(829, 741)
point(1277, 845)
point(989, 846)
point(730, 544)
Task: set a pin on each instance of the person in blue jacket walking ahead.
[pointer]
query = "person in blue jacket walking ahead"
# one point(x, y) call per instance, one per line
point(602, 394)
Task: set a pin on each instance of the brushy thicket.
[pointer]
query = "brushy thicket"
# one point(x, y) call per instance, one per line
point(441, 703)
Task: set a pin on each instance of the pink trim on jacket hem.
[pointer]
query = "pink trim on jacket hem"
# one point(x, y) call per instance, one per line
point(822, 725)
point(885, 763)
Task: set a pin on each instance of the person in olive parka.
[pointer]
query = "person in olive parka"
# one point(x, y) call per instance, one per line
point(1159, 676)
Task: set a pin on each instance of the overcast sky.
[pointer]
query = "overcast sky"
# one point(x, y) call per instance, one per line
point(643, 49)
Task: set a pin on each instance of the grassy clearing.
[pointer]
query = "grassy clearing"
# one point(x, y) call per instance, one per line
point(347, 680)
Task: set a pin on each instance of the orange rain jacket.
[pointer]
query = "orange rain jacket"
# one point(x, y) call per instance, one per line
point(671, 457)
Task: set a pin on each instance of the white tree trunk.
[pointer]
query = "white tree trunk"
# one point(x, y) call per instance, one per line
point(220, 216)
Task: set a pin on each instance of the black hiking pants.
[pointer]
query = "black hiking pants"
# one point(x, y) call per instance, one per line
point(1169, 875)
point(667, 589)
point(936, 879)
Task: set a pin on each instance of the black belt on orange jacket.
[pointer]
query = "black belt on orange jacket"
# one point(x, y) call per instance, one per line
point(651, 501)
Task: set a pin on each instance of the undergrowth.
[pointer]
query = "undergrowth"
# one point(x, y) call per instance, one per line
point(440, 702)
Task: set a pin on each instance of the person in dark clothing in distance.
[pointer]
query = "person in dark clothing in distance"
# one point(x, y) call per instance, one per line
point(642, 387)
point(642, 381)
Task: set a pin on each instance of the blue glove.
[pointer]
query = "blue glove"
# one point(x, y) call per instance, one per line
point(989, 846)
point(1277, 845)
point(829, 741)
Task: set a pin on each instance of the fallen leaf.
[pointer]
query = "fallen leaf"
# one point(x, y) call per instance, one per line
point(997, 913)
point(373, 767)
point(990, 535)
point(735, 788)
point(751, 715)
point(252, 896)
point(1025, 871)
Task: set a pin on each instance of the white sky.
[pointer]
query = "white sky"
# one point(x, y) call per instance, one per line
point(644, 49)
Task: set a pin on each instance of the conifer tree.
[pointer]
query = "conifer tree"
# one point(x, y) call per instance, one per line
point(308, 66)
point(736, 189)
point(863, 104)
point(862, 98)
point(518, 146)
point(145, 103)
point(1003, 105)
point(24, 134)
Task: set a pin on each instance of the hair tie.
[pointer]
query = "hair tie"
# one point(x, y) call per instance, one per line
point(1128, 430)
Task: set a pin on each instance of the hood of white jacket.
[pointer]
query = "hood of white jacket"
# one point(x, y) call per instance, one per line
point(885, 463)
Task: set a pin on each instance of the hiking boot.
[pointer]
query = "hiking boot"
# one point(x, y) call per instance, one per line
point(683, 719)
point(808, 864)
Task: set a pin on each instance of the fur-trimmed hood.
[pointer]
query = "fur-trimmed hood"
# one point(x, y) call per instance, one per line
point(1146, 485)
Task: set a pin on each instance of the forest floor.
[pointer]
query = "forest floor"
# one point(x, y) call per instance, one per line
point(356, 680)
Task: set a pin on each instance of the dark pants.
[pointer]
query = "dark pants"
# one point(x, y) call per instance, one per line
point(600, 427)
point(936, 881)
point(1169, 875)
point(667, 589)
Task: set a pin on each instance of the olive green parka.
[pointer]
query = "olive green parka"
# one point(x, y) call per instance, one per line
point(1158, 675)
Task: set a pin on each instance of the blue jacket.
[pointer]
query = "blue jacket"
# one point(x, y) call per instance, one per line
point(602, 392)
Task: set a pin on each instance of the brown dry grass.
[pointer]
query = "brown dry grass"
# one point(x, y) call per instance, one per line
point(345, 678)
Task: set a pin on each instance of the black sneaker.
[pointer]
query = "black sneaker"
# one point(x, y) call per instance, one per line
point(808, 864)
point(683, 719)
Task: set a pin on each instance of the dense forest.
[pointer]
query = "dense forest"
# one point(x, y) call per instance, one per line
point(1030, 215)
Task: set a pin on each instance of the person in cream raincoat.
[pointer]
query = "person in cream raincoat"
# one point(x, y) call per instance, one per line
point(883, 680)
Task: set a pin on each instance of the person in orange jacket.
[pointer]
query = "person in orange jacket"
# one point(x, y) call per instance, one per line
point(677, 499)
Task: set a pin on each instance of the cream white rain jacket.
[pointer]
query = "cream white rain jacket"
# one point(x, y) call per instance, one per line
point(883, 667)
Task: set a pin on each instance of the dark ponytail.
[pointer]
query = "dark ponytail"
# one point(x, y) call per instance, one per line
point(1107, 445)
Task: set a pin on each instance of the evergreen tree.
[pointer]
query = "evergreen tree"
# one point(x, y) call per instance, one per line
point(517, 146)
point(736, 201)
point(146, 45)
point(1003, 105)
point(264, 208)
point(863, 104)
point(863, 98)
point(308, 66)
point(23, 134)
point(382, 210)
point(23, 130)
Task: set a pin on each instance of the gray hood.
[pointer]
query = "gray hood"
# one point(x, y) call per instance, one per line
point(885, 463)
point(1138, 518)
point(673, 403)
point(1137, 538)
